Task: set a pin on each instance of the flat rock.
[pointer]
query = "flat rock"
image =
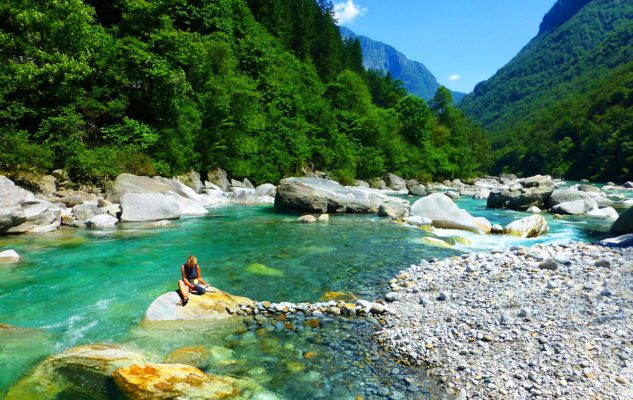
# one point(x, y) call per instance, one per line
point(211, 305)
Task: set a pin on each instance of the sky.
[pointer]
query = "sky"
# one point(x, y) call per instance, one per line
point(462, 42)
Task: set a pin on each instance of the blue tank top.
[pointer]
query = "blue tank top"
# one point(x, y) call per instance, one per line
point(191, 273)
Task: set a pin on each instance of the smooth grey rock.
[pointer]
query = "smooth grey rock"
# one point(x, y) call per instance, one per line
point(482, 194)
point(394, 182)
point(619, 241)
point(307, 219)
point(219, 177)
point(534, 210)
point(452, 194)
point(418, 190)
point(265, 189)
point(549, 265)
point(141, 207)
point(247, 184)
point(128, 183)
point(564, 196)
point(101, 221)
point(393, 296)
point(86, 211)
point(443, 296)
point(576, 207)
point(324, 218)
point(497, 229)
point(445, 214)
point(385, 210)
point(361, 183)
point(192, 180)
point(9, 256)
point(562, 259)
point(605, 212)
point(416, 220)
point(588, 188)
point(322, 195)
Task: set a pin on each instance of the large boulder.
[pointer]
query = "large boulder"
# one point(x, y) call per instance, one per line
point(534, 191)
point(219, 177)
point(266, 189)
point(445, 214)
point(141, 207)
point(86, 211)
point(528, 227)
point(215, 304)
point(395, 182)
point(564, 196)
point(79, 372)
point(624, 224)
point(322, 195)
point(192, 180)
point(605, 212)
point(173, 381)
point(128, 183)
point(576, 207)
point(21, 212)
point(418, 190)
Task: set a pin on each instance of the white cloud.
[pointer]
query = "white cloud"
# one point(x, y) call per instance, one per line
point(348, 11)
point(454, 77)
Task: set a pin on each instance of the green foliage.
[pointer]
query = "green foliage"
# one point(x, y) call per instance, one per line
point(262, 88)
point(561, 106)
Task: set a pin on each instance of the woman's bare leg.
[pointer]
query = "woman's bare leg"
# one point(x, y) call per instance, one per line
point(183, 289)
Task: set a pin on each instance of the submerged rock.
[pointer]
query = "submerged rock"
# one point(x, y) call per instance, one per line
point(307, 219)
point(173, 381)
point(9, 256)
point(445, 214)
point(528, 227)
point(215, 304)
point(79, 372)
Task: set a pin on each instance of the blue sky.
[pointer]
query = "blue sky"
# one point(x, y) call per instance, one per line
point(462, 42)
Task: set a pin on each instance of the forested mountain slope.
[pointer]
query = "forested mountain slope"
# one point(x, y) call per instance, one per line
point(262, 88)
point(546, 109)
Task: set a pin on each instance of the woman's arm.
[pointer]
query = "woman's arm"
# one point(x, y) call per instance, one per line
point(200, 276)
point(184, 277)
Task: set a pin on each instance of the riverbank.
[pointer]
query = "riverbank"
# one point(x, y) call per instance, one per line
point(550, 321)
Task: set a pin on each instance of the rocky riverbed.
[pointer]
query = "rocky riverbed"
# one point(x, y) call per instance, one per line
point(549, 321)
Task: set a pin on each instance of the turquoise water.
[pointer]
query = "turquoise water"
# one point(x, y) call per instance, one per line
point(87, 286)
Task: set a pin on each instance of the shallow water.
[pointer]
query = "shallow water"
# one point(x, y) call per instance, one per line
point(86, 286)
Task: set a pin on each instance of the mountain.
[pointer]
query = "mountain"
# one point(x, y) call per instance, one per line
point(417, 78)
point(546, 109)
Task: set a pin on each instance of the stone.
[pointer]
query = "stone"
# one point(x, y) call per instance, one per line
point(324, 218)
point(307, 219)
point(86, 211)
point(60, 175)
point(628, 185)
point(361, 183)
point(161, 223)
point(237, 184)
point(385, 210)
point(192, 180)
point(529, 227)
point(9, 257)
point(21, 212)
point(588, 189)
point(128, 183)
point(624, 223)
point(86, 369)
point(481, 194)
point(377, 183)
point(212, 305)
point(605, 212)
point(377, 308)
point(173, 381)
point(445, 214)
point(103, 203)
point(247, 184)
point(393, 296)
point(394, 182)
point(417, 220)
point(101, 221)
point(619, 241)
point(219, 177)
point(497, 229)
point(452, 194)
point(576, 207)
point(141, 207)
point(266, 189)
point(443, 296)
point(550, 265)
point(534, 191)
point(602, 264)
point(322, 195)
point(534, 210)
point(565, 195)
point(418, 190)
point(44, 184)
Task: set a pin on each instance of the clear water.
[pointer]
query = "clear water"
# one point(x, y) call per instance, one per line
point(87, 286)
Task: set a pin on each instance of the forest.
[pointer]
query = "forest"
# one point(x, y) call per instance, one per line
point(262, 88)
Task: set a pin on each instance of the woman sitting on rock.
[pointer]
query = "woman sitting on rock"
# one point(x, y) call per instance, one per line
point(190, 280)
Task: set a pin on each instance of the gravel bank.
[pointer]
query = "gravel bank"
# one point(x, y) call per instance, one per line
point(549, 321)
